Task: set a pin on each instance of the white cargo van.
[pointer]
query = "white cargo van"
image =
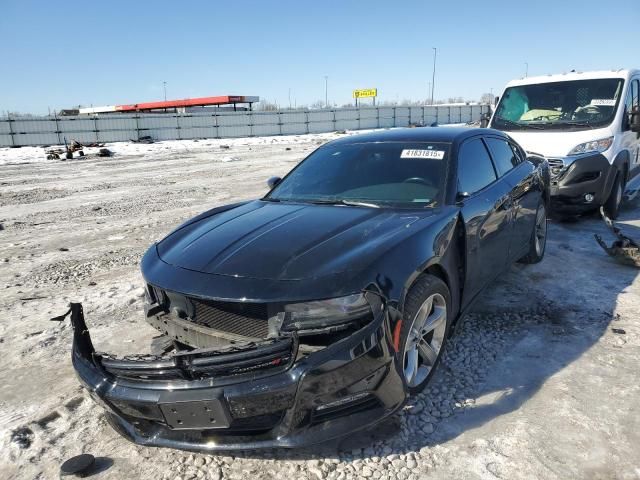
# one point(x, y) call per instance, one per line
point(587, 125)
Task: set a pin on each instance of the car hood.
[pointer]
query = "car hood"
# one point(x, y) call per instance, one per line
point(288, 241)
point(552, 143)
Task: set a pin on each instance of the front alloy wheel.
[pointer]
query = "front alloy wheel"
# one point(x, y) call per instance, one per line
point(424, 332)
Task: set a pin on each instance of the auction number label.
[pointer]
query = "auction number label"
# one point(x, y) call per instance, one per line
point(413, 153)
point(604, 102)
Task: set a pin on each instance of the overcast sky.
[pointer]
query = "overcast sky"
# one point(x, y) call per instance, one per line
point(57, 54)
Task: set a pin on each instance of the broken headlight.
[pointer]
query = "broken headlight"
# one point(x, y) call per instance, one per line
point(322, 315)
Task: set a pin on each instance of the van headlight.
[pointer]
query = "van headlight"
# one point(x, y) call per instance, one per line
point(594, 146)
point(331, 314)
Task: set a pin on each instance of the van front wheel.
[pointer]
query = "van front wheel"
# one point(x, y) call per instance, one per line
point(612, 205)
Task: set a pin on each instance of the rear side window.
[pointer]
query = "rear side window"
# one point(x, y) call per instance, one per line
point(503, 155)
point(475, 169)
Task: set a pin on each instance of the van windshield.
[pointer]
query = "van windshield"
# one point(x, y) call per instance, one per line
point(576, 104)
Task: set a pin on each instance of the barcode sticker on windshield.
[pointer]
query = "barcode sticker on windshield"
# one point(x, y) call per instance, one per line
point(605, 102)
point(435, 154)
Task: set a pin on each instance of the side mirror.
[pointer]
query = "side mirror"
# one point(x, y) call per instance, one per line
point(634, 120)
point(462, 196)
point(536, 160)
point(496, 101)
point(273, 181)
point(484, 121)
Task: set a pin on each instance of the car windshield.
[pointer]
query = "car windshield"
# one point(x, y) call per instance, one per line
point(370, 174)
point(577, 104)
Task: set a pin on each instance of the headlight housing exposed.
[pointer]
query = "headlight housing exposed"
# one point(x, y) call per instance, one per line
point(322, 315)
point(594, 146)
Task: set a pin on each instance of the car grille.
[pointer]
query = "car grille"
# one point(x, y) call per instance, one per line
point(245, 319)
point(556, 165)
point(253, 358)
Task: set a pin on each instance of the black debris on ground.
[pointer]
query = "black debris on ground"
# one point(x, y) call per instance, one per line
point(23, 437)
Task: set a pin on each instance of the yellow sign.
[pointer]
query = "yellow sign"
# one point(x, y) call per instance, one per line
point(366, 93)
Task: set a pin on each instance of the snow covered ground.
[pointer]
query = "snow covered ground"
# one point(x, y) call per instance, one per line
point(22, 155)
point(535, 384)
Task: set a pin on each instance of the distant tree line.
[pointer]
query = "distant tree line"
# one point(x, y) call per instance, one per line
point(269, 106)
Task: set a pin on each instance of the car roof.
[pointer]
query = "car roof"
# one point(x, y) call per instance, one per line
point(418, 134)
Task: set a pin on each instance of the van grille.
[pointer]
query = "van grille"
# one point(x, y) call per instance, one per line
point(556, 165)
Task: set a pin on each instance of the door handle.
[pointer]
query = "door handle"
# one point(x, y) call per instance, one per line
point(503, 203)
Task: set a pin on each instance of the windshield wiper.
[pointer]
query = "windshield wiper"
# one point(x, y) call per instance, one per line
point(270, 199)
point(520, 125)
point(578, 124)
point(350, 203)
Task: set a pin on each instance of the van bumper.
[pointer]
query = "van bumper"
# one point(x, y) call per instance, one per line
point(581, 184)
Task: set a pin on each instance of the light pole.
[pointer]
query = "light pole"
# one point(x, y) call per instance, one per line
point(526, 69)
point(289, 99)
point(326, 95)
point(428, 92)
point(164, 85)
point(433, 78)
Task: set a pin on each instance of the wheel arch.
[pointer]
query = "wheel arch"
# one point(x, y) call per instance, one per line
point(448, 267)
point(621, 164)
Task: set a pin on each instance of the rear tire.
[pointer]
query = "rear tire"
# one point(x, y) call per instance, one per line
point(538, 242)
point(424, 331)
point(612, 205)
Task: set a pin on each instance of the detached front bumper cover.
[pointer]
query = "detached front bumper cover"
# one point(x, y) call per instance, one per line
point(624, 249)
point(256, 395)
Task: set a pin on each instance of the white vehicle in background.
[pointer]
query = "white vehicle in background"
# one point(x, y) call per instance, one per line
point(587, 125)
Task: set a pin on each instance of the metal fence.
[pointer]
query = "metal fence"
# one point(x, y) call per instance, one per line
point(54, 130)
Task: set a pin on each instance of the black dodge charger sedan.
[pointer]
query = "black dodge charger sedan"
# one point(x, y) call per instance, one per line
point(319, 308)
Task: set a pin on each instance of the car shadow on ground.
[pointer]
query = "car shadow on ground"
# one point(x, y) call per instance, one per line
point(527, 327)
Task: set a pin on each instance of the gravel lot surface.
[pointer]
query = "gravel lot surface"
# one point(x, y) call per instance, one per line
point(541, 380)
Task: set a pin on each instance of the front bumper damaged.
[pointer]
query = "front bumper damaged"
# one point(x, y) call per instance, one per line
point(575, 177)
point(258, 395)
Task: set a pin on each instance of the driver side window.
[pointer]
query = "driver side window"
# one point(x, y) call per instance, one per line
point(475, 168)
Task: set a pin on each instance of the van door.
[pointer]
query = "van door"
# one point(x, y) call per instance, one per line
point(630, 140)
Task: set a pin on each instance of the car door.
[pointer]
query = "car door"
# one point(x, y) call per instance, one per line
point(525, 193)
point(630, 140)
point(486, 210)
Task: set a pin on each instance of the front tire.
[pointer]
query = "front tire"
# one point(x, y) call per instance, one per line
point(538, 243)
point(612, 205)
point(425, 326)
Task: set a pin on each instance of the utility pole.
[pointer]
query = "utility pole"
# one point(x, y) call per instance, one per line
point(326, 94)
point(164, 85)
point(433, 78)
point(289, 99)
point(526, 69)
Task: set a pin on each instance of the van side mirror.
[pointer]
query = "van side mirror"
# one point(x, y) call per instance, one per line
point(484, 121)
point(497, 100)
point(273, 181)
point(634, 120)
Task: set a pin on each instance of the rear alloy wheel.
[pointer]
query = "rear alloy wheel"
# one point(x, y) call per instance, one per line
point(612, 205)
point(538, 237)
point(424, 332)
